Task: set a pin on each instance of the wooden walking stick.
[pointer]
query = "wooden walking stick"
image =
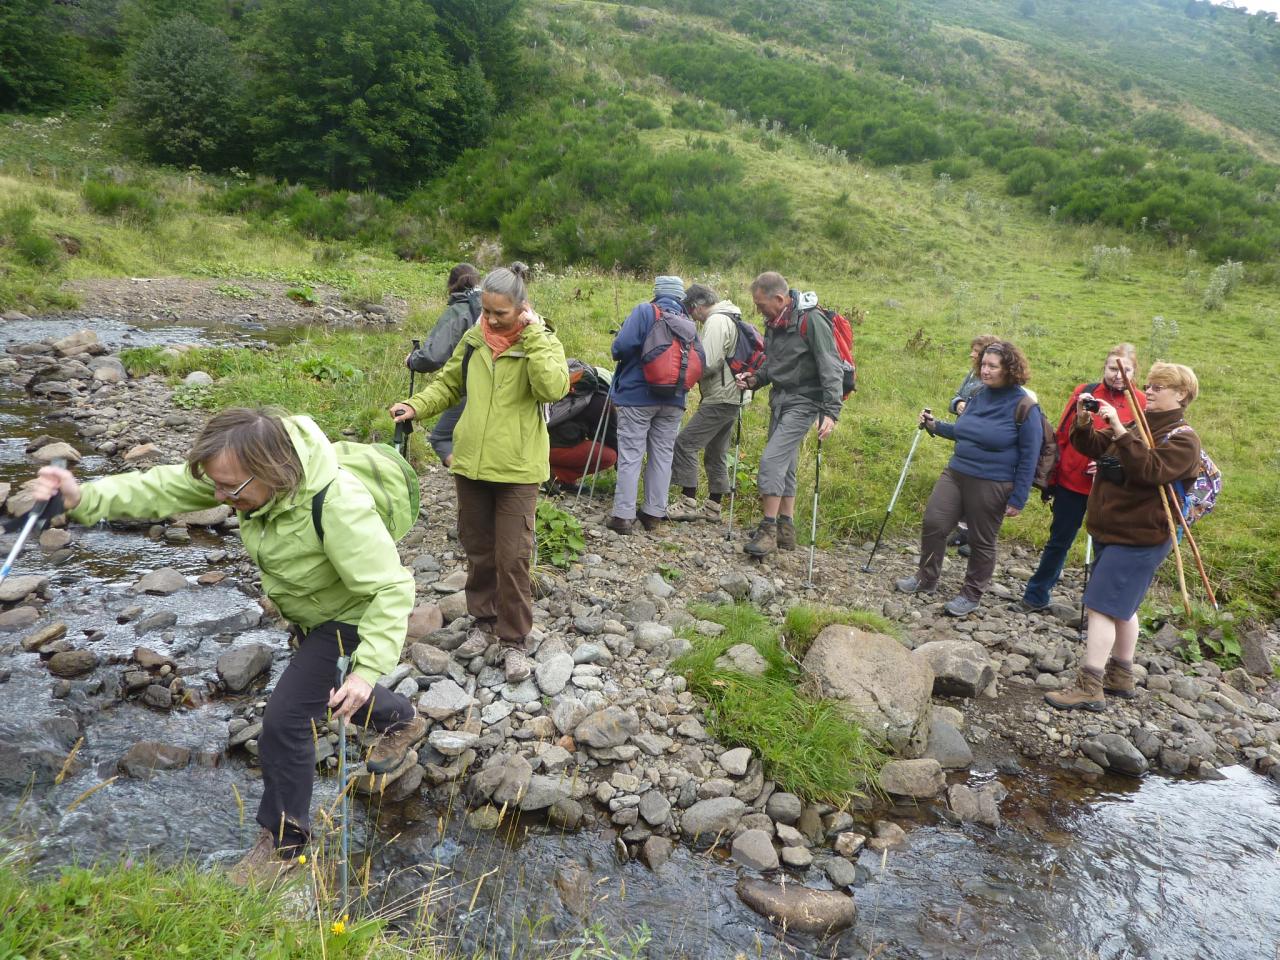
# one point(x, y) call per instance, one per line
point(1168, 492)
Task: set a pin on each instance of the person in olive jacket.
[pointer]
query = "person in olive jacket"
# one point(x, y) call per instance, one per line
point(345, 594)
point(508, 365)
point(1129, 525)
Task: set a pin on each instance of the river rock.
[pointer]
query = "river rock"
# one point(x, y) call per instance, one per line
point(736, 761)
point(432, 661)
point(72, 663)
point(452, 583)
point(553, 675)
point(947, 745)
point(141, 451)
point(654, 808)
point(204, 518)
point(108, 370)
point(159, 620)
point(840, 872)
point(609, 727)
point(14, 589)
point(240, 667)
point(76, 343)
point(149, 659)
point(974, 806)
point(198, 378)
point(655, 851)
point(145, 758)
point(912, 778)
point(1122, 756)
point(158, 696)
point(961, 668)
point(54, 539)
point(754, 849)
point(443, 699)
point(57, 451)
point(881, 683)
point(543, 791)
point(784, 807)
point(797, 908)
point(425, 619)
point(453, 606)
point(742, 658)
point(708, 818)
point(19, 618)
point(161, 582)
point(46, 634)
point(451, 742)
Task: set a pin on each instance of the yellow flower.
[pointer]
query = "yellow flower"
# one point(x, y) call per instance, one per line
point(302, 859)
point(339, 928)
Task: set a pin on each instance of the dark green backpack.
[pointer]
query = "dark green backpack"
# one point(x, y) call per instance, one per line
point(388, 477)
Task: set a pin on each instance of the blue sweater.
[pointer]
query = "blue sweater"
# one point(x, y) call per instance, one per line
point(630, 389)
point(991, 445)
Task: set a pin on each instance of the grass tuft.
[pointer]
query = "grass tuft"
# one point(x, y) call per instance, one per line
point(803, 624)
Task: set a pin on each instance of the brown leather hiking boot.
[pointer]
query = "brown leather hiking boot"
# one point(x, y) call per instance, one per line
point(1085, 694)
point(261, 865)
point(786, 533)
point(391, 749)
point(1117, 679)
point(764, 541)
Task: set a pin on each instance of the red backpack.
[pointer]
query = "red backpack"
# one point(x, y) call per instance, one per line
point(843, 333)
point(671, 358)
point(748, 349)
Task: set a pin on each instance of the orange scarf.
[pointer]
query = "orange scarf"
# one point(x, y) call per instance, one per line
point(500, 341)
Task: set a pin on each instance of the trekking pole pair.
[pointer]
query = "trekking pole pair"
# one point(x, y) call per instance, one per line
point(344, 803)
point(38, 514)
point(737, 457)
point(866, 567)
point(813, 523)
point(1088, 566)
point(597, 448)
point(404, 428)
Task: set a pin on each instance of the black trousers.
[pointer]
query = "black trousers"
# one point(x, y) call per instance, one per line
point(286, 747)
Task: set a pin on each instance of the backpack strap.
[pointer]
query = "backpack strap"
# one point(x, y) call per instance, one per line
point(467, 351)
point(1023, 410)
point(317, 510)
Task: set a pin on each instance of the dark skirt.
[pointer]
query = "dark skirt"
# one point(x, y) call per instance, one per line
point(1121, 576)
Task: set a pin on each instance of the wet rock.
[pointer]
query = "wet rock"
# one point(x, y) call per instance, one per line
point(238, 668)
point(245, 733)
point(14, 589)
point(754, 850)
point(141, 451)
point(158, 696)
point(161, 582)
point(573, 884)
point(234, 623)
point(72, 663)
point(145, 758)
point(54, 539)
point(961, 668)
point(709, 818)
point(798, 909)
point(610, 727)
point(879, 681)
point(443, 699)
point(204, 518)
point(160, 620)
point(149, 659)
point(743, 658)
point(840, 872)
point(79, 342)
point(654, 808)
point(566, 814)
point(46, 634)
point(655, 851)
point(947, 745)
point(19, 618)
point(889, 836)
point(848, 844)
point(974, 806)
point(1121, 755)
point(57, 451)
point(486, 817)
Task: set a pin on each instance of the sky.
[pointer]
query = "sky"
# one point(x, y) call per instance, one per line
point(1254, 5)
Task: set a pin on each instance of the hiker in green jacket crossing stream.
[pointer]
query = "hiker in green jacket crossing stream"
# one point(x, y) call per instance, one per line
point(346, 589)
point(507, 366)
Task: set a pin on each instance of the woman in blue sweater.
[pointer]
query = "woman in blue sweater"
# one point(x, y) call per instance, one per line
point(997, 440)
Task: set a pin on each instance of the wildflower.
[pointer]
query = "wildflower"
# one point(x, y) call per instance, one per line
point(339, 926)
point(302, 859)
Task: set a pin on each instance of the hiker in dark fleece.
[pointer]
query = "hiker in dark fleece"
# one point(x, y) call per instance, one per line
point(647, 423)
point(347, 590)
point(459, 316)
point(803, 368)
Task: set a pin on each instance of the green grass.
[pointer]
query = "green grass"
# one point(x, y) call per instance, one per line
point(802, 625)
point(808, 746)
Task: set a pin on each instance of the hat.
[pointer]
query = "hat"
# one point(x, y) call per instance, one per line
point(669, 287)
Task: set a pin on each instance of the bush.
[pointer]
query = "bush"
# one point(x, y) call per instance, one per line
point(123, 200)
point(17, 230)
point(1107, 262)
point(1224, 279)
point(183, 98)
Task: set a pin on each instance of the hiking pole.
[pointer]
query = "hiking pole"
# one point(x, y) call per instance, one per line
point(400, 440)
point(813, 525)
point(34, 516)
point(608, 402)
point(597, 444)
point(737, 456)
point(1088, 565)
point(866, 567)
point(344, 809)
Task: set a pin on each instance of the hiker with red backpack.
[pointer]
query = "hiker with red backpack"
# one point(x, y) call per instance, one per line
point(659, 357)
point(1129, 519)
point(998, 442)
point(732, 346)
point(810, 376)
point(1073, 477)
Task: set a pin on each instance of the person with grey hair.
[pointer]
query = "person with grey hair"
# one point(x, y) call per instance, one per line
point(647, 421)
point(803, 367)
point(508, 365)
point(710, 429)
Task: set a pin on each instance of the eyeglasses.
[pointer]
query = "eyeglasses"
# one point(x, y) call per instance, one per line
point(1153, 387)
point(217, 487)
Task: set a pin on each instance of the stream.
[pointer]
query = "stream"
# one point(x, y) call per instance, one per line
point(1158, 868)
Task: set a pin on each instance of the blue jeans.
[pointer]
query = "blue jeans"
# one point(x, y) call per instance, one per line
point(1068, 514)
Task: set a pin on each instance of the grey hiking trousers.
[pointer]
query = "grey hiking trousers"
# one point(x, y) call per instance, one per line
point(641, 430)
point(711, 429)
point(790, 418)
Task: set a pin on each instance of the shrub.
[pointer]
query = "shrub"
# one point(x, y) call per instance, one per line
point(1107, 262)
point(184, 98)
point(1224, 279)
point(123, 200)
point(17, 229)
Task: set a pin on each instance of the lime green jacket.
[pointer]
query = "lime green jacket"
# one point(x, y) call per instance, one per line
point(502, 435)
point(354, 576)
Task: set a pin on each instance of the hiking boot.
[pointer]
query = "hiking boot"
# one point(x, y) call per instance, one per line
point(960, 606)
point(1023, 607)
point(391, 749)
point(963, 550)
point(1117, 679)
point(515, 665)
point(786, 533)
point(686, 509)
point(764, 541)
point(261, 865)
point(1085, 694)
point(959, 537)
point(912, 584)
point(478, 641)
point(649, 523)
point(620, 525)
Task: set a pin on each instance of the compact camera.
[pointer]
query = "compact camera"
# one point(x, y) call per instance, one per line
point(1111, 470)
point(1090, 404)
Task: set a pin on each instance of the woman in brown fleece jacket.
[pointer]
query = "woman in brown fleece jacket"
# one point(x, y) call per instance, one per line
point(1129, 526)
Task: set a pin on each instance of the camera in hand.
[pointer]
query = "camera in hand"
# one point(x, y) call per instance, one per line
point(1090, 404)
point(1111, 470)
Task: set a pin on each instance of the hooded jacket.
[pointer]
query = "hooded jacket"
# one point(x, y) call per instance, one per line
point(630, 388)
point(719, 339)
point(1073, 469)
point(502, 435)
point(808, 365)
point(459, 317)
point(354, 576)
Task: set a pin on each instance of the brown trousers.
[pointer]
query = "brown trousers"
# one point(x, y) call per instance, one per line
point(981, 504)
point(495, 524)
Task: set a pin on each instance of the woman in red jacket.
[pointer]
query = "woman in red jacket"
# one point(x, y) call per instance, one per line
point(1073, 477)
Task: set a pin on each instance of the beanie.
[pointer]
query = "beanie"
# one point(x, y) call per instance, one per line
point(669, 287)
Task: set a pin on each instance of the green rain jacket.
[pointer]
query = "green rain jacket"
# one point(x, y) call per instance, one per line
point(354, 576)
point(502, 436)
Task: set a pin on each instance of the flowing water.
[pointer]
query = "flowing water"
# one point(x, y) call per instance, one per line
point(1154, 869)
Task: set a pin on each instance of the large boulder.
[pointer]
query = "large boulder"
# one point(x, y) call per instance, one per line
point(961, 668)
point(708, 818)
point(14, 589)
point(912, 778)
point(161, 582)
point(240, 667)
point(798, 909)
point(880, 682)
point(147, 757)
